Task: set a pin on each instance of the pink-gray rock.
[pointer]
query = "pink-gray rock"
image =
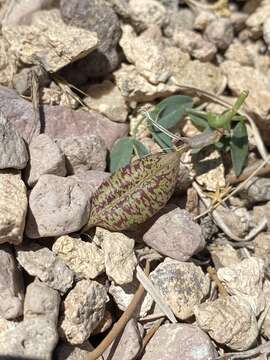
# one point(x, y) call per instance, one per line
point(42, 262)
point(57, 121)
point(178, 342)
point(42, 302)
point(83, 153)
point(84, 308)
point(256, 190)
point(45, 158)
point(175, 234)
point(127, 345)
point(220, 32)
point(57, 206)
point(12, 147)
point(91, 179)
point(30, 339)
point(11, 285)
point(98, 16)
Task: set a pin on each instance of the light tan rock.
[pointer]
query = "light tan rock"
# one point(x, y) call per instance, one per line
point(182, 286)
point(223, 255)
point(245, 280)
point(13, 208)
point(220, 32)
point(49, 41)
point(84, 308)
point(145, 13)
point(238, 52)
point(203, 19)
point(120, 259)
point(107, 99)
point(146, 54)
point(257, 18)
point(8, 66)
point(84, 258)
point(262, 247)
point(229, 321)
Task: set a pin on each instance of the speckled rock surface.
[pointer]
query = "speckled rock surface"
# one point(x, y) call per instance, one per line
point(182, 286)
point(84, 308)
point(41, 262)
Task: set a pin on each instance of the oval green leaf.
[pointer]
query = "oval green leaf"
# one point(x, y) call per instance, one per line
point(121, 153)
point(135, 192)
point(140, 149)
point(239, 147)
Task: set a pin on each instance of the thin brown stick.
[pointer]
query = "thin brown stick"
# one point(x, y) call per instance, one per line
point(148, 336)
point(121, 323)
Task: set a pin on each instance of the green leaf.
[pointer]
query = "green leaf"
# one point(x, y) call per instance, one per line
point(239, 147)
point(140, 149)
point(171, 110)
point(163, 140)
point(121, 153)
point(135, 192)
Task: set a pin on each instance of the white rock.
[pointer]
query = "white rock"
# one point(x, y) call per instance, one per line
point(84, 308)
point(13, 208)
point(84, 258)
point(146, 12)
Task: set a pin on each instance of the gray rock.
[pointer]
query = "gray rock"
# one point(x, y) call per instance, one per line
point(31, 339)
point(84, 308)
point(45, 158)
point(179, 341)
point(13, 208)
point(22, 81)
point(127, 345)
point(220, 32)
point(42, 302)
point(11, 285)
point(99, 17)
point(178, 20)
point(12, 147)
point(182, 286)
point(83, 153)
point(57, 206)
point(91, 179)
point(57, 121)
point(256, 190)
point(42, 262)
point(175, 234)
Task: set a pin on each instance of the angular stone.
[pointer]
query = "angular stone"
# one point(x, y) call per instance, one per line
point(91, 179)
point(183, 18)
point(45, 158)
point(120, 259)
point(238, 52)
point(229, 321)
point(57, 121)
point(223, 255)
point(84, 258)
point(12, 147)
point(262, 247)
point(146, 53)
point(66, 351)
point(179, 341)
point(11, 285)
point(107, 100)
point(13, 208)
point(42, 302)
point(39, 43)
point(174, 234)
point(256, 190)
point(30, 339)
point(182, 286)
point(220, 32)
point(57, 206)
point(41, 262)
point(194, 44)
point(22, 81)
point(95, 16)
point(84, 308)
point(83, 153)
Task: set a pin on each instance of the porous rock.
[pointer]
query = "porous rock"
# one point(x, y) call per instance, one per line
point(120, 259)
point(84, 258)
point(13, 208)
point(229, 321)
point(174, 234)
point(11, 285)
point(58, 121)
point(31, 339)
point(45, 158)
point(94, 16)
point(41, 262)
point(245, 279)
point(57, 206)
point(220, 32)
point(179, 341)
point(39, 42)
point(83, 153)
point(182, 286)
point(84, 308)
point(42, 302)
point(108, 100)
point(12, 147)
